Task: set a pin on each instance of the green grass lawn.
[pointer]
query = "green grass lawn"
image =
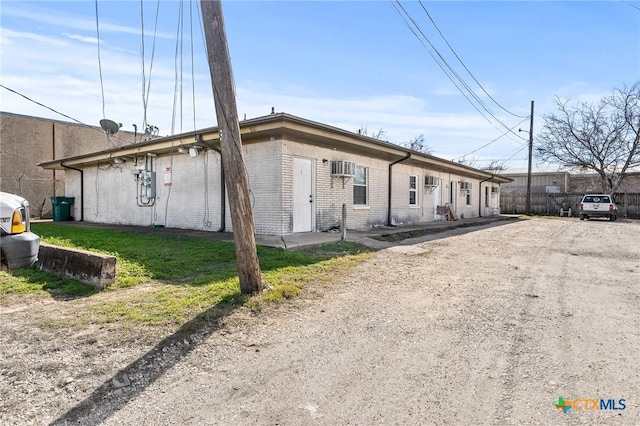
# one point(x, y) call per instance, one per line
point(177, 277)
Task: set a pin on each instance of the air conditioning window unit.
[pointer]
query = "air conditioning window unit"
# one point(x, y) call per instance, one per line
point(465, 186)
point(343, 168)
point(495, 189)
point(431, 181)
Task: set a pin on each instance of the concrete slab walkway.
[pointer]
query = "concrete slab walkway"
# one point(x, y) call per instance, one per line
point(374, 238)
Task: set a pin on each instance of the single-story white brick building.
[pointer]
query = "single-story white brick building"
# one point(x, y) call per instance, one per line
point(300, 174)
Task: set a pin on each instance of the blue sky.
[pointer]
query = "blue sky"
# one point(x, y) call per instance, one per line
point(350, 64)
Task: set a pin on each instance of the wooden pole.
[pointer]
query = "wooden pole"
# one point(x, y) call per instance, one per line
point(231, 146)
point(528, 203)
point(344, 222)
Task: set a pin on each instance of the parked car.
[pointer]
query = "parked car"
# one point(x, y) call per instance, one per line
point(594, 205)
point(18, 245)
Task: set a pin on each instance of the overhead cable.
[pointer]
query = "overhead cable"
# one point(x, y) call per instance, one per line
point(463, 64)
point(630, 4)
point(526, 145)
point(146, 82)
point(487, 144)
point(447, 73)
point(100, 60)
point(59, 113)
point(177, 87)
point(193, 76)
point(442, 63)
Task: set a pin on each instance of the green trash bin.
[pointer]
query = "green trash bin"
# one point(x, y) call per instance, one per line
point(62, 208)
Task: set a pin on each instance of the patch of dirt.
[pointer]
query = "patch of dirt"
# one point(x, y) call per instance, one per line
point(489, 327)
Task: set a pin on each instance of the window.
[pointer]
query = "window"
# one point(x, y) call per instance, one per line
point(360, 182)
point(468, 196)
point(486, 196)
point(596, 199)
point(413, 190)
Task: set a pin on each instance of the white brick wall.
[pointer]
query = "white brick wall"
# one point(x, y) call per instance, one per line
point(263, 162)
point(193, 200)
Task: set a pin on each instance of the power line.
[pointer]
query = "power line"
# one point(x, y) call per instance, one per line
point(480, 160)
point(438, 62)
point(630, 4)
point(526, 145)
point(487, 144)
point(178, 69)
point(146, 83)
point(463, 64)
point(43, 105)
point(99, 60)
point(441, 62)
point(193, 75)
point(58, 112)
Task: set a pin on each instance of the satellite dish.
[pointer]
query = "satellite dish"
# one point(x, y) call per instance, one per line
point(109, 126)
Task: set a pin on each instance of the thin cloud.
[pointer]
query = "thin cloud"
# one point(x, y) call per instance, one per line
point(90, 40)
point(68, 21)
point(10, 37)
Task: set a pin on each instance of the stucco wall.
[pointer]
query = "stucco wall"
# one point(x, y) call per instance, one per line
point(26, 141)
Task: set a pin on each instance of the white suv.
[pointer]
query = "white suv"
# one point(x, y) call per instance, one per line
point(598, 205)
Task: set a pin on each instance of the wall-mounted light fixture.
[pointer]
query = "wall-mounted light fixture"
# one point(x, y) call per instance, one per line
point(194, 151)
point(118, 161)
point(183, 150)
point(324, 160)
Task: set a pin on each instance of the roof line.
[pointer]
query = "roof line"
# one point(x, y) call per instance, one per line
point(190, 138)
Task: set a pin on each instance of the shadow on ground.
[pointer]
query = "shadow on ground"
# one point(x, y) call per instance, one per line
point(132, 380)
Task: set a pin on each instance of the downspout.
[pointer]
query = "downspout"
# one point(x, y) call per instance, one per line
point(53, 149)
point(81, 188)
point(480, 195)
point(223, 187)
point(390, 184)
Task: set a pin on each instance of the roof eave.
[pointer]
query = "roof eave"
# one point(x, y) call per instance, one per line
point(274, 124)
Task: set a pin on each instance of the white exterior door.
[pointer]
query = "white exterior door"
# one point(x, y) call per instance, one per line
point(453, 195)
point(303, 201)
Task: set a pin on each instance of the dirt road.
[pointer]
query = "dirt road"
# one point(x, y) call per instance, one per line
point(489, 327)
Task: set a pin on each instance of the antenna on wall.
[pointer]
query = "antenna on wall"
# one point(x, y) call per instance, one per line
point(110, 127)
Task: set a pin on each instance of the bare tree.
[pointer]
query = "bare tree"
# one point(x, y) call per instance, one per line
point(494, 165)
point(604, 138)
point(418, 144)
point(380, 134)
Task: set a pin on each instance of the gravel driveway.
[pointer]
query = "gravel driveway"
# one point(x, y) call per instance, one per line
point(489, 327)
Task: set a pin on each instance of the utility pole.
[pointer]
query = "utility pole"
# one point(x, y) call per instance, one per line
point(530, 158)
point(528, 200)
point(231, 146)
